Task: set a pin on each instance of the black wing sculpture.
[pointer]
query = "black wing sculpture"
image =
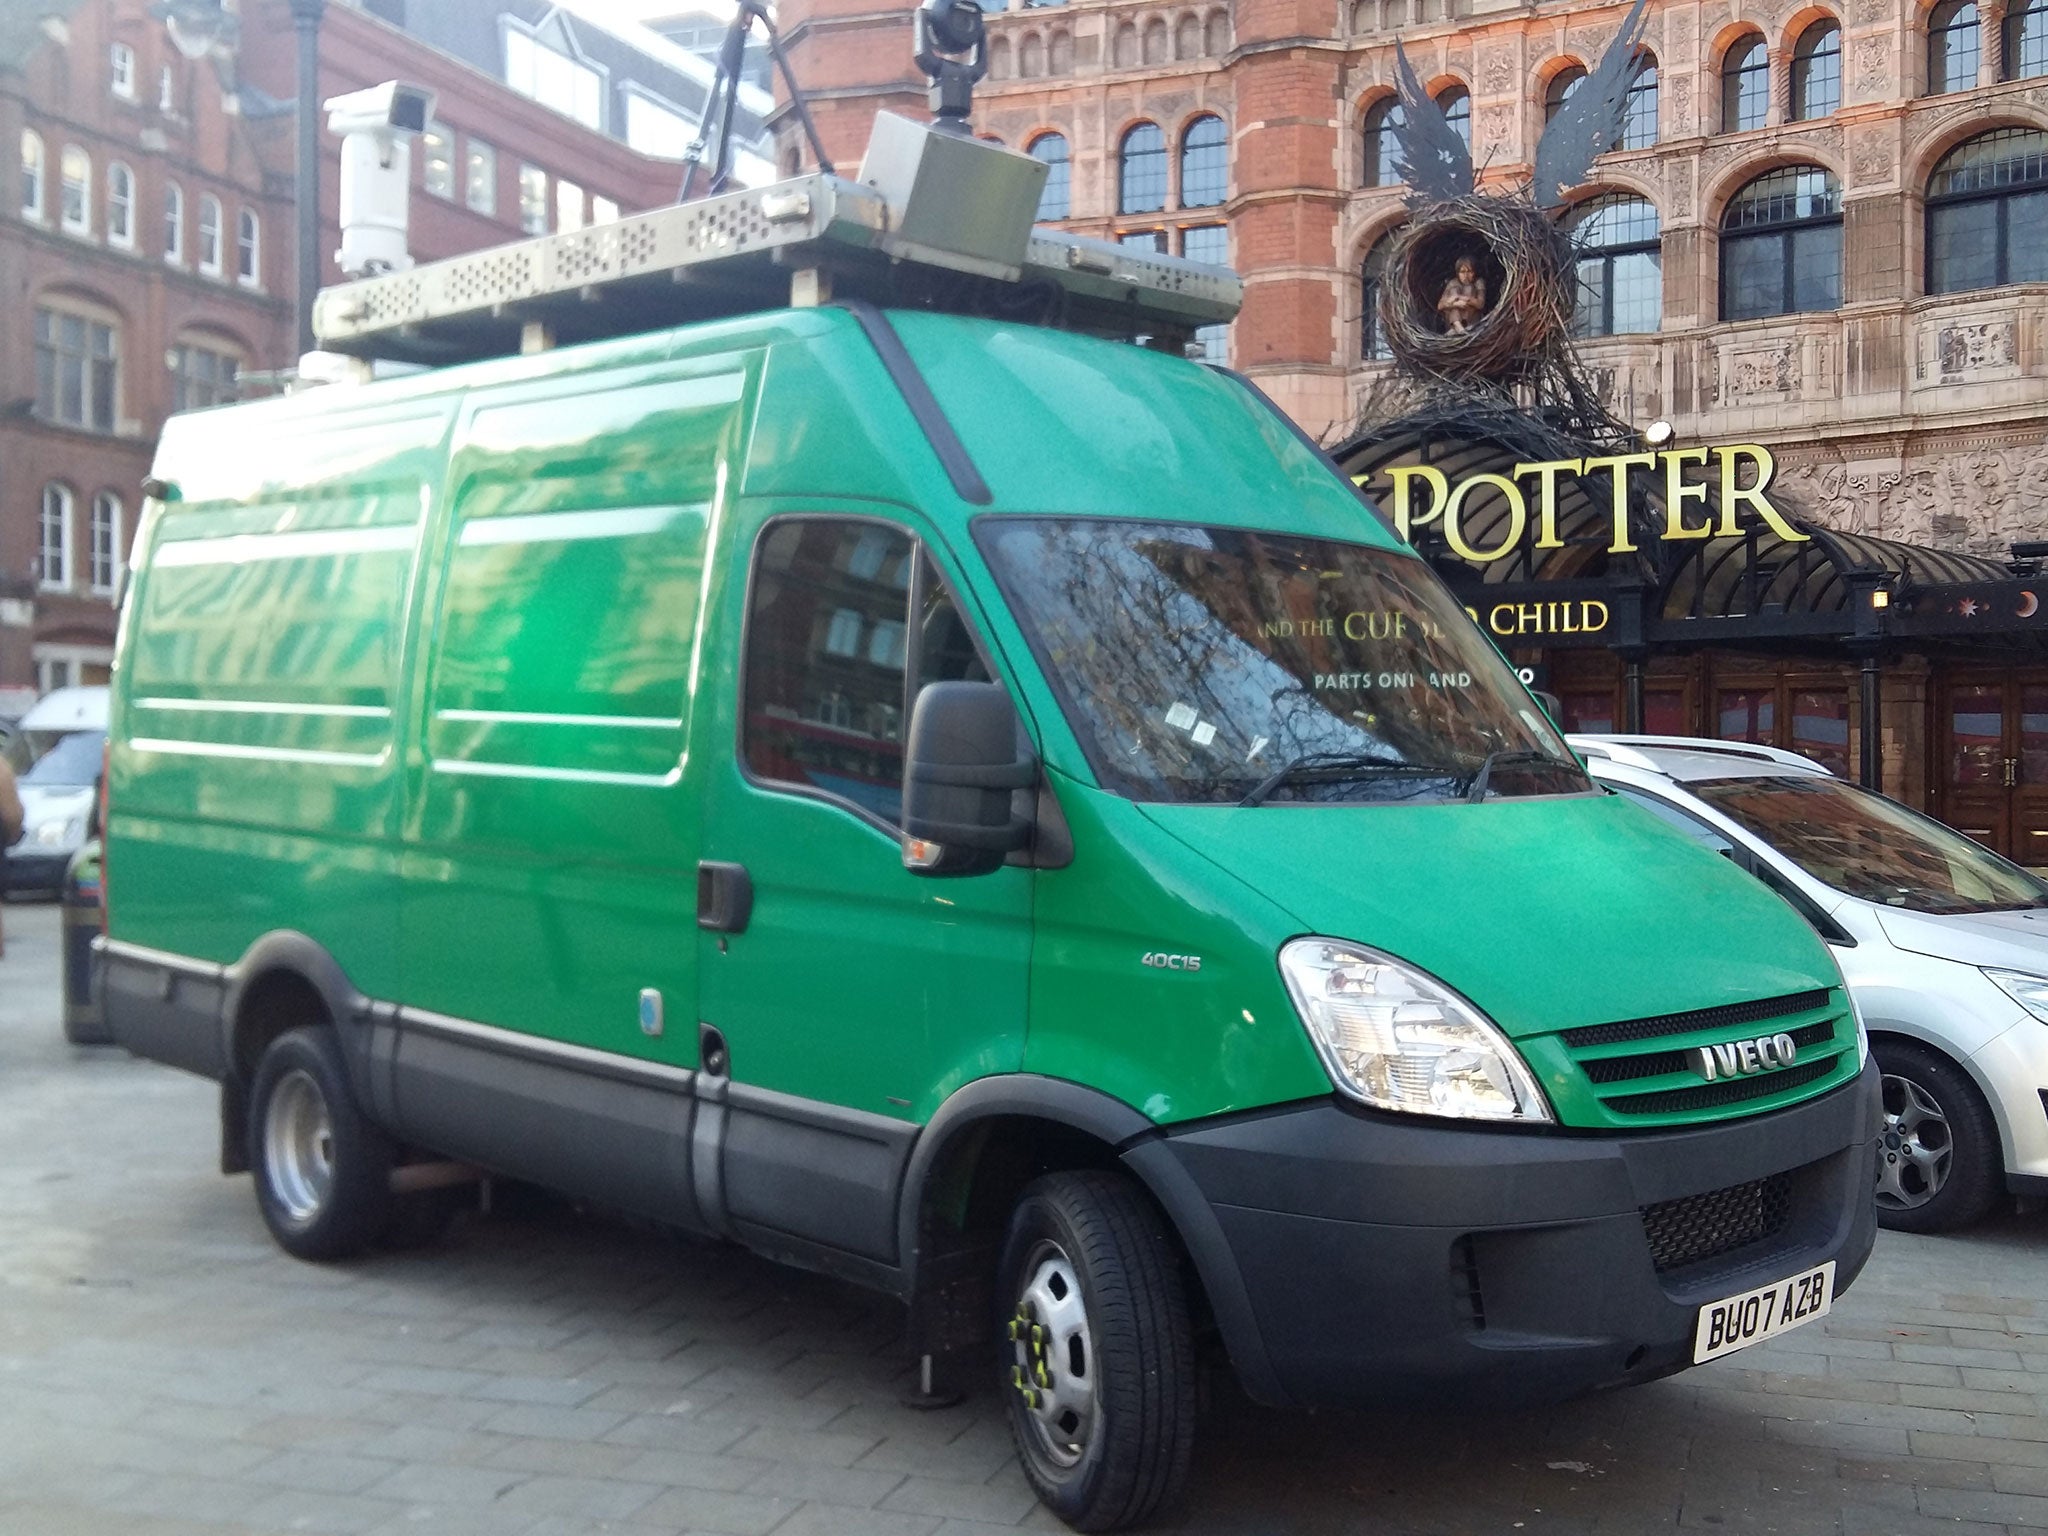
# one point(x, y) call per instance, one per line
point(1438, 164)
point(1589, 123)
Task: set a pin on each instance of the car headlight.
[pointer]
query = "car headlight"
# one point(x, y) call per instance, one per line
point(2030, 992)
point(59, 832)
point(1395, 1038)
point(1862, 1033)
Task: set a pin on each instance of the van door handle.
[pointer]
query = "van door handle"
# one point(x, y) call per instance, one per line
point(725, 897)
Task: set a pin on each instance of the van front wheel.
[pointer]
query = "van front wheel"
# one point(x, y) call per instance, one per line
point(1097, 1352)
point(323, 1172)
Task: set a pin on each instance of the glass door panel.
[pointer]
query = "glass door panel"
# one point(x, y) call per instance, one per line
point(1820, 728)
point(1746, 714)
point(1976, 733)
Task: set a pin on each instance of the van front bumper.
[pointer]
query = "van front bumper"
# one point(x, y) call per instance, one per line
point(1369, 1259)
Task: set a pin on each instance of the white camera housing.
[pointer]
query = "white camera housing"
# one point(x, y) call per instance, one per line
point(377, 127)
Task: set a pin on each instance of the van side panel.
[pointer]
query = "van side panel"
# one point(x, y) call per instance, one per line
point(550, 875)
point(258, 732)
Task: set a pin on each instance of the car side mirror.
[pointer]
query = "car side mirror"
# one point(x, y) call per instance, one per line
point(961, 770)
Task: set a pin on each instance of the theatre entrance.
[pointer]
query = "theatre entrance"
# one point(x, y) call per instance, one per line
point(1991, 758)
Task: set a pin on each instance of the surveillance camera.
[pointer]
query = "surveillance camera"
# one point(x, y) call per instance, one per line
point(388, 108)
point(954, 26)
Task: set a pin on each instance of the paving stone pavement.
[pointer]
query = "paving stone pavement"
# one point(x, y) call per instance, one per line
point(166, 1371)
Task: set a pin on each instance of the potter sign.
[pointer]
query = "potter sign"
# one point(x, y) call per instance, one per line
point(1741, 473)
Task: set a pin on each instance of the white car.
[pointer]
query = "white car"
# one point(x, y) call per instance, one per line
point(66, 731)
point(1943, 943)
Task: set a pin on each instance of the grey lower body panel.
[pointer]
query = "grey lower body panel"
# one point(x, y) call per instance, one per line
point(164, 1007)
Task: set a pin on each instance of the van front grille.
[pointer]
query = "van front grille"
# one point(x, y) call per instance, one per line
point(1701, 1227)
point(1643, 1067)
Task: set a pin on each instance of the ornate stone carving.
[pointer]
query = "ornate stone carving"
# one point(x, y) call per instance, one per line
point(1873, 65)
point(1870, 156)
point(1871, 13)
point(1680, 91)
point(1768, 370)
point(1680, 194)
point(1497, 72)
point(1951, 352)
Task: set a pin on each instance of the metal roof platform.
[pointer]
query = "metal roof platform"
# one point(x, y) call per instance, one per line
point(803, 241)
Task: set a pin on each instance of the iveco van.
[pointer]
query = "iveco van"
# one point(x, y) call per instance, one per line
point(933, 794)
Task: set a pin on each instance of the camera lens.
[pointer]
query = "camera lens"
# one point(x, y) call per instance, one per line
point(956, 24)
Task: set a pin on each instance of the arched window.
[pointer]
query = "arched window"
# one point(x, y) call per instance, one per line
point(1563, 86)
point(53, 538)
point(1204, 163)
point(1059, 53)
point(1954, 47)
point(1187, 37)
point(75, 190)
point(1372, 336)
point(999, 58)
point(1056, 199)
point(1987, 212)
point(1745, 86)
point(103, 544)
point(1141, 170)
point(248, 249)
point(209, 235)
point(1817, 72)
point(1639, 107)
point(174, 224)
point(34, 175)
point(1621, 266)
point(1157, 48)
point(2026, 39)
point(1124, 53)
point(1781, 245)
point(120, 205)
point(78, 361)
point(1455, 102)
point(203, 371)
point(1031, 56)
point(1382, 124)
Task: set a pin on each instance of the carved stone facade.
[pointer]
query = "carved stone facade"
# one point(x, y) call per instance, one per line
point(1916, 416)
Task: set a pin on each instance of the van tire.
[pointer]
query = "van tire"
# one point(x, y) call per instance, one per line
point(322, 1171)
point(1915, 1081)
point(1135, 1355)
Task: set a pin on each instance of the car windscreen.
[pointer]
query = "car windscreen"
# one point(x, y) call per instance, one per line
point(74, 760)
point(1867, 846)
point(1219, 664)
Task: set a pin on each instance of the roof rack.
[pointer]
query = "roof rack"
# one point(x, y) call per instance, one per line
point(1628, 749)
point(936, 221)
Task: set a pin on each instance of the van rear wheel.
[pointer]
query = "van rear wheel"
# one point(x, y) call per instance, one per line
point(323, 1171)
point(1097, 1352)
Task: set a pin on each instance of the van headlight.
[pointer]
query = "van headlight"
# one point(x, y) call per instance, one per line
point(2030, 992)
point(1395, 1038)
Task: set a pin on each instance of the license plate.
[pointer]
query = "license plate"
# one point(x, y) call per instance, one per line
point(1752, 1317)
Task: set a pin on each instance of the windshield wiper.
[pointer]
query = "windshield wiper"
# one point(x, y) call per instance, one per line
point(1334, 765)
point(1484, 772)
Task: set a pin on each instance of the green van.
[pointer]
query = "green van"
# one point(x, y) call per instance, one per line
point(962, 804)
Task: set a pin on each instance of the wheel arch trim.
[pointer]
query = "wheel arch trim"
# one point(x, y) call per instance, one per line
point(1140, 1148)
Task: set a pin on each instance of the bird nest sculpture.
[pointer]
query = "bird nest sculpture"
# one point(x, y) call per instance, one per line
point(1479, 289)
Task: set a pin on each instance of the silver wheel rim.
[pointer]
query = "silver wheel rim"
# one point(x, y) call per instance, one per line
point(1915, 1151)
point(1052, 1366)
point(298, 1146)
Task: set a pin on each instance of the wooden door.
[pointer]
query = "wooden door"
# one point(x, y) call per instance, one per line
point(1976, 766)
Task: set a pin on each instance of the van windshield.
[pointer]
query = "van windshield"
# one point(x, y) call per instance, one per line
point(1867, 846)
point(1218, 664)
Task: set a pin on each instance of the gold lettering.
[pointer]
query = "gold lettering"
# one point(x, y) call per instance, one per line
point(1546, 472)
point(1349, 632)
point(1528, 618)
point(1589, 626)
point(1518, 517)
point(1494, 621)
point(1379, 626)
point(1405, 518)
point(1618, 465)
point(1731, 493)
point(1677, 493)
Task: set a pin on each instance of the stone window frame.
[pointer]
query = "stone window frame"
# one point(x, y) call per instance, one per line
point(1378, 162)
point(1732, 78)
point(1778, 229)
point(1933, 202)
point(1950, 18)
point(1816, 75)
point(1059, 175)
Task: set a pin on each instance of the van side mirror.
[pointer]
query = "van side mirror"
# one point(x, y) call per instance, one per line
point(962, 768)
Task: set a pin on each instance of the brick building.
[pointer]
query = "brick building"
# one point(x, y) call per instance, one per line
point(1827, 231)
point(146, 260)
